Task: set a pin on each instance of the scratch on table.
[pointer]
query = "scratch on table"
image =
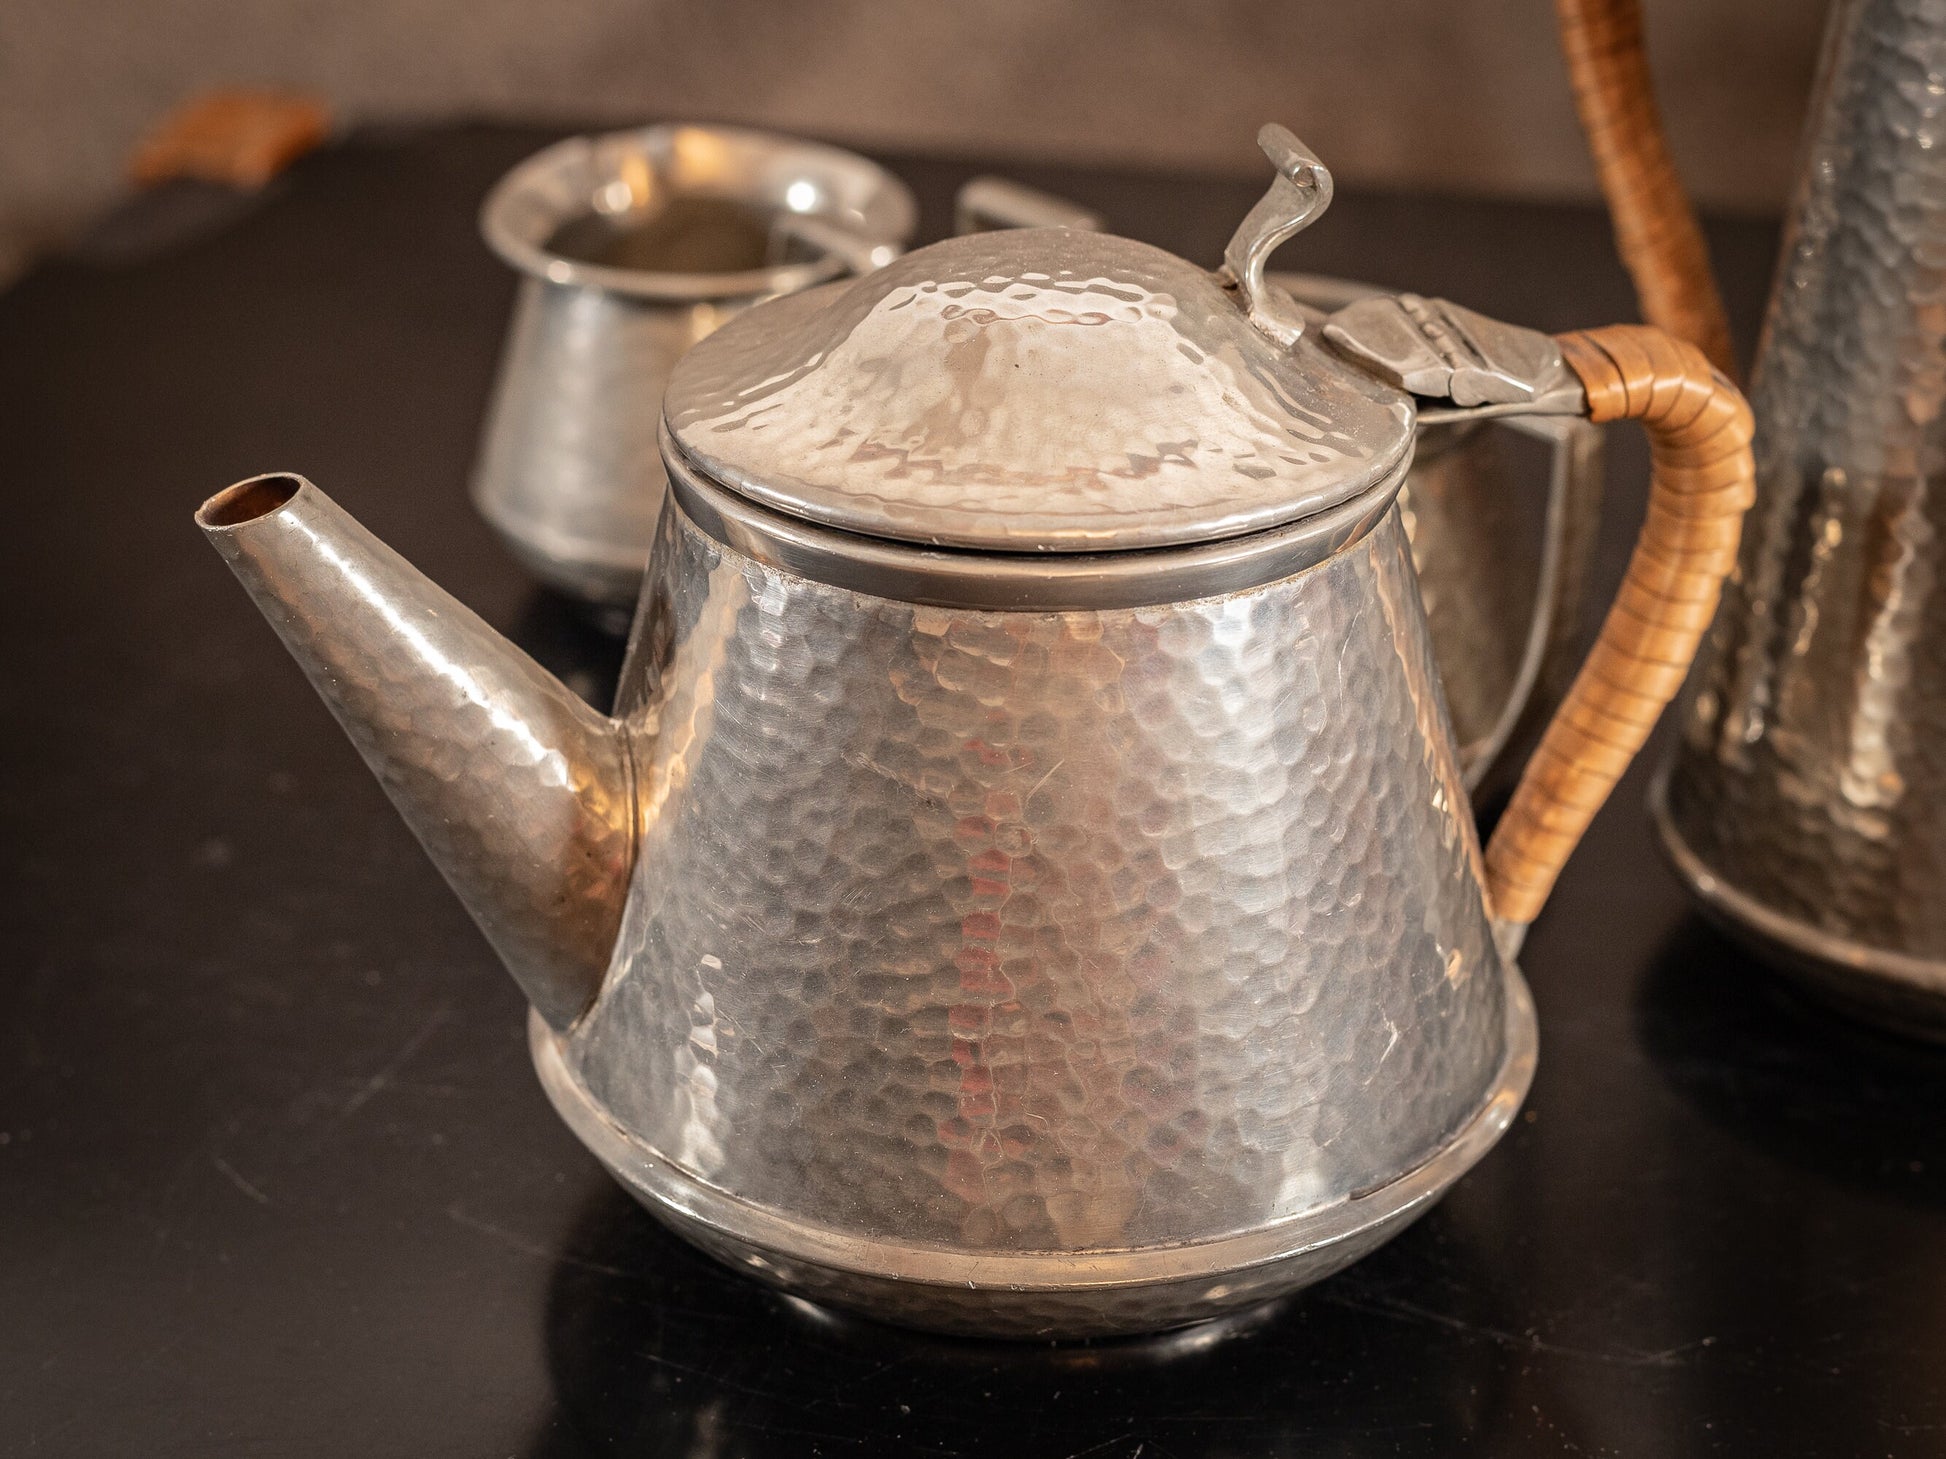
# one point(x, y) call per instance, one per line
point(771, 1429)
point(236, 1179)
point(1096, 1448)
point(1531, 1342)
point(859, 1379)
point(716, 1379)
point(397, 1062)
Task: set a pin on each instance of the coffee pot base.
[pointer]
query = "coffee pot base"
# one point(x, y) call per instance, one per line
point(1893, 991)
point(1039, 1294)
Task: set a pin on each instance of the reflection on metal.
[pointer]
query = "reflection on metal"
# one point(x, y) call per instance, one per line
point(1058, 965)
point(620, 282)
point(569, 473)
point(1505, 617)
point(1434, 348)
point(1298, 196)
point(1107, 951)
point(1806, 801)
point(1505, 601)
point(1111, 397)
point(518, 791)
point(1022, 581)
point(946, 1287)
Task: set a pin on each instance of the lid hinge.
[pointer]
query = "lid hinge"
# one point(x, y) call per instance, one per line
point(1441, 352)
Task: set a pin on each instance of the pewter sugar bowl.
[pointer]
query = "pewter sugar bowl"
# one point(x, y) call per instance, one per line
point(1026, 886)
point(632, 246)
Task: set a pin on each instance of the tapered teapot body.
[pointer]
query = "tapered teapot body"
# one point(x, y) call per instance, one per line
point(970, 940)
point(1027, 885)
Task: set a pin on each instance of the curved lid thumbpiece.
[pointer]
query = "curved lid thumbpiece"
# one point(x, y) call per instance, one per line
point(1300, 194)
point(1044, 391)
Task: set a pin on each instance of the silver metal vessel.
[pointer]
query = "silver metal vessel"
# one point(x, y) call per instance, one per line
point(1805, 804)
point(1501, 514)
point(1027, 885)
point(634, 245)
point(569, 474)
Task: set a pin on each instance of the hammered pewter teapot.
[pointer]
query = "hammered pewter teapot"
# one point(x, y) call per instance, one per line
point(1026, 886)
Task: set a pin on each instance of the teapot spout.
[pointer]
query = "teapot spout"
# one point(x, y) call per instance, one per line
point(520, 793)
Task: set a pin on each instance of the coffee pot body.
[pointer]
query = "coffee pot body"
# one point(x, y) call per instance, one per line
point(1805, 801)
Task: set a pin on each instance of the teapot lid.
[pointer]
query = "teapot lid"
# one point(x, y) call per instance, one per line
point(1045, 390)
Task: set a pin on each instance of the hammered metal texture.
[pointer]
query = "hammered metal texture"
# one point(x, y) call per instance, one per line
point(1503, 584)
point(1807, 798)
point(570, 471)
point(518, 791)
point(1043, 931)
point(1042, 1294)
point(1478, 600)
point(571, 477)
point(1049, 1313)
point(1032, 390)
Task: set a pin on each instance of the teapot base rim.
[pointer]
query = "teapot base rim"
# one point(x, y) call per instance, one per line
point(1041, 1294)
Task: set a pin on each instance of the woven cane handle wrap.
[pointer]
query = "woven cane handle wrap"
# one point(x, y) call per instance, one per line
point(1655, 228)
point(1702, 483)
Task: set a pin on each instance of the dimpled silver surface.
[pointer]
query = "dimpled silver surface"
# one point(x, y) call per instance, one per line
point(1054, 1312)
point(1028, 390)
point(1041, 1294)
point(1807, 799)
point(518, 791)
point(1020, 932)
point(570, 470)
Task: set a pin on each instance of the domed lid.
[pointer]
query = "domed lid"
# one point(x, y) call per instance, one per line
point(1045, 390)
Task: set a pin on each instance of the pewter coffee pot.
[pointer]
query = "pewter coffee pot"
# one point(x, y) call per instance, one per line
point(1805, 802)
point(1026, 886)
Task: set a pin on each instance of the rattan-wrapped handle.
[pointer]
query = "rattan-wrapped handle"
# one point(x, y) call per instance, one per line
point(1655, 228)
point(1702, 483)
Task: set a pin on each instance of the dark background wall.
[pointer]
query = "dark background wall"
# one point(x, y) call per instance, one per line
point(1458, 95)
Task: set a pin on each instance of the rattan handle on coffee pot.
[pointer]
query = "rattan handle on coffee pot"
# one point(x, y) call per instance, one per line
point(1655, 228)
point(1701, 485)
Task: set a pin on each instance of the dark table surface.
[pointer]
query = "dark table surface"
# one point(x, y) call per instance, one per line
point(275, 1177)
